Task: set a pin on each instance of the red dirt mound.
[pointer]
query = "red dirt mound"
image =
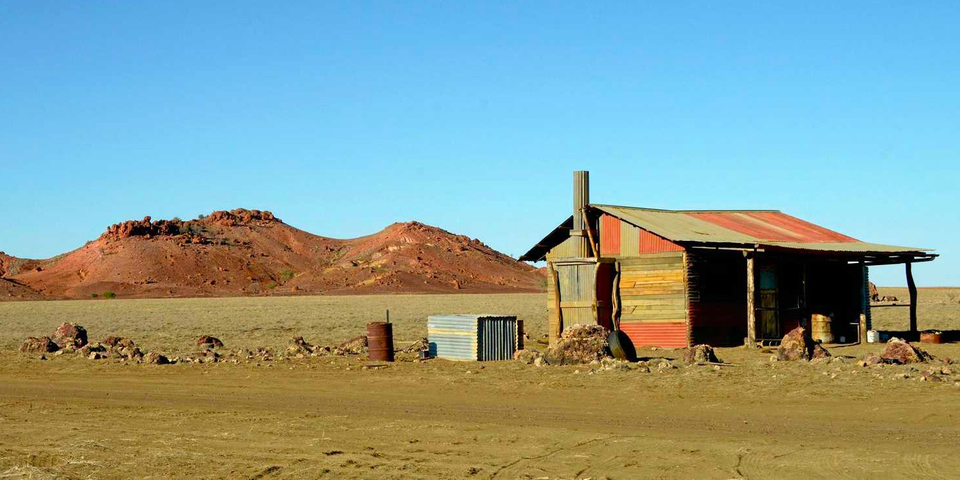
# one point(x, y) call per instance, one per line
point(252, 252)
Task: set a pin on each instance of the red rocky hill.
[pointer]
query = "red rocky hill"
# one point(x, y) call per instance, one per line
point(251, 252)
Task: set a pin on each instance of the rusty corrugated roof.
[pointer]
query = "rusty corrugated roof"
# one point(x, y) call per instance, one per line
point(745, 227)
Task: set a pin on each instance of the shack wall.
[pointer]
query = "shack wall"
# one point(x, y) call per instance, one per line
point(624, 240)
point(653, 298)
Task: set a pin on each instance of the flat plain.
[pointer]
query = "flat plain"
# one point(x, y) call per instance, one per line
point(329, 417)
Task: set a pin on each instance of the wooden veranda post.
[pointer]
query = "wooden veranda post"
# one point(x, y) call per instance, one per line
point(912, 288)
point(751, 309)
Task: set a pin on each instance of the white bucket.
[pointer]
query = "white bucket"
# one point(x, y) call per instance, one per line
point(872, 336)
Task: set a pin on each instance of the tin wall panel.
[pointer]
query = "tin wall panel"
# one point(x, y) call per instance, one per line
point(472, 337)
point(609, 235)
point(670, 335)
point(650, 243)
point(629, 240)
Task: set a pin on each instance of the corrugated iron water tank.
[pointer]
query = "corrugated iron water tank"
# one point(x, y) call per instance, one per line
point(473, 337)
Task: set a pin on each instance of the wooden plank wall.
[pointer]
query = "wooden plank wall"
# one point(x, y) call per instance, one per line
point(654, 298)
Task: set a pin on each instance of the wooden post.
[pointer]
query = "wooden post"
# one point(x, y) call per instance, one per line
point(581, 198)
point(751, 309)
point(912, 287)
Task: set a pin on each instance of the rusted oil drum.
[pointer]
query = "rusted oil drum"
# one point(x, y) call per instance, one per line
point(380, 341)
point(821, 328)
point(931, 337)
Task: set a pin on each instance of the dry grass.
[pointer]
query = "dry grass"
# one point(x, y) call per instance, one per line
point(171, 325)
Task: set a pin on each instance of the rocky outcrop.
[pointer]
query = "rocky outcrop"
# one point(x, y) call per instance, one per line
point(142, 228)
point(242, 216)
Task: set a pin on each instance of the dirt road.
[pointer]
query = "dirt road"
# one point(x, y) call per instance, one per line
point(73, 418)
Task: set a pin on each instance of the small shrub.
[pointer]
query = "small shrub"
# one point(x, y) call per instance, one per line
point(272, 285)
point(286, 275)
point(94, 295)
point(201, 216)
point(109, 295)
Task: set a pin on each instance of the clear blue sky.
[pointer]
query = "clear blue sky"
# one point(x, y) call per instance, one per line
point(344, 117)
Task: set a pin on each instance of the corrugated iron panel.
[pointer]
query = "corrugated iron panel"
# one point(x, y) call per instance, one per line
point(472, 337)
point(498, 338)
point(629, 240)
point(670, 335)
point(609, 235)
point(650, 243)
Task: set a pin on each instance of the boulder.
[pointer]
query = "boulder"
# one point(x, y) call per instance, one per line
point(819, 352)
point(156, 359)
point(38, 345)
point(70, 334)
point(699, 354)
point(208, 341)
point(579, 344)
point(901, 352)
point(796, 345)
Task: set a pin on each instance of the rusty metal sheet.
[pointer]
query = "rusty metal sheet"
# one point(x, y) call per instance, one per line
point(670, 335)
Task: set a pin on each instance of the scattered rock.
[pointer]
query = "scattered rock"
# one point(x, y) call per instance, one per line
point(70, 334)
point(354, 346)
point(579, 344)
point(118, 342)
point(819, 352)
point(665, 365)
point(527, 356)
point(38, 345)
point(212, 342)
point(699, 354)
point(900, 352)
point(418, 346)
point(299, 346)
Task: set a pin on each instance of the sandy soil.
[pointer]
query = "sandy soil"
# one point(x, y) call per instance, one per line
point(68, 417)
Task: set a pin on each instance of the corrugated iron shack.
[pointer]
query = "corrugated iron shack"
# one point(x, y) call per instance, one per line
point(722, 278)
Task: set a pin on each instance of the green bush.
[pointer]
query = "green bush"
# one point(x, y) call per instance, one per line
point(94, 295)
point(109, 295)
point(286, 275)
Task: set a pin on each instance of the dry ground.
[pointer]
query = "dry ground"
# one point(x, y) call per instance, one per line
point(331, 418)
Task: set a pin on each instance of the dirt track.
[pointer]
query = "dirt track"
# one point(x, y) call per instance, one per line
point(76, 418)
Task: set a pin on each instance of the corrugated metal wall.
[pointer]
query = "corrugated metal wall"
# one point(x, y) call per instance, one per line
point(650, 243)
point(622, 239)
point(654, 299)
point(472, 337)
point(570, 248)
point(609, 235)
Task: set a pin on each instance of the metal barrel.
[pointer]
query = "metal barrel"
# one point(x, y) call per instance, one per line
point(821, 328)
point(380, 341)
point(931, 337)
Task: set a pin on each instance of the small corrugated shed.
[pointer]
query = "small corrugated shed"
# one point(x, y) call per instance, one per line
point(473, 337)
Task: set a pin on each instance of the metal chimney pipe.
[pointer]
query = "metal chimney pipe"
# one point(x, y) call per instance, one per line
point(581, 198)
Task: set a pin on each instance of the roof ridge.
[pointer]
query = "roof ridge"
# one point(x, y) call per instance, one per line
point(683, 211)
